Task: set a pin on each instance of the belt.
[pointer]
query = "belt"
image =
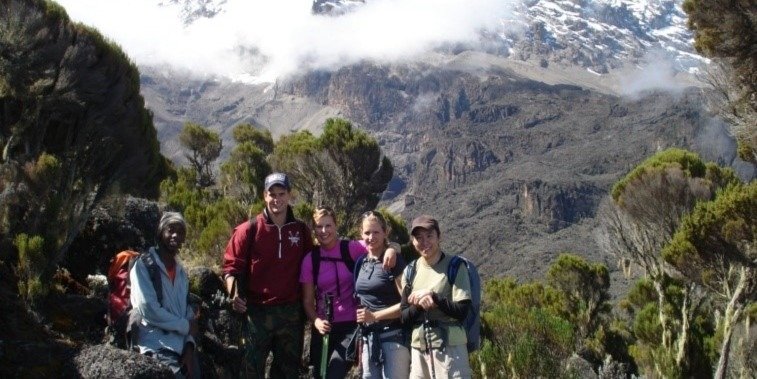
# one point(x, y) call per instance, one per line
point(390, 333)
point(374, 338)
point(383, 333)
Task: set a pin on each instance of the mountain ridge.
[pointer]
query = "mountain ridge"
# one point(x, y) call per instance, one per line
point(487, 151)
point(512, 155)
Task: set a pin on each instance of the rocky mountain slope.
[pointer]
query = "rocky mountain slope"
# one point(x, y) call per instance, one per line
point(513, 167)
point(513, 147)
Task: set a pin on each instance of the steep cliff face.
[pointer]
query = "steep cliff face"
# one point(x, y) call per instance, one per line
point(557, 205)
point(365, 92)
point(514, 168)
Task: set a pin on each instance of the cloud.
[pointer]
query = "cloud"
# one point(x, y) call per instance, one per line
point(658, 72)
point(263, 40)
point(715, 143)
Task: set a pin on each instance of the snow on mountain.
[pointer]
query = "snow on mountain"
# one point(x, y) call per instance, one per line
point(599, 35)
point(191, 10)
point(335, 7)
point(603, 34)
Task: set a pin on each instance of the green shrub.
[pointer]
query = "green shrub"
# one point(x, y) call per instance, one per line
point(31, 265)
point(210, 217)
point(524, 343)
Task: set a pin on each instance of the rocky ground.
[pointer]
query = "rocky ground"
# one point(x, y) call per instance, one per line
point(64, 336)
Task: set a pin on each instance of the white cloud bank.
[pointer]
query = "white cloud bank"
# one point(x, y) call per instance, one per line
point(657, 72)
point(286, 34)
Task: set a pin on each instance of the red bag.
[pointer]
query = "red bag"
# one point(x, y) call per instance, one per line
point(118, 284)
point(121, 321)
point(119, 303)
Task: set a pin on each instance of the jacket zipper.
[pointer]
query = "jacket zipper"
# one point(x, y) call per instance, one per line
point(281, 241)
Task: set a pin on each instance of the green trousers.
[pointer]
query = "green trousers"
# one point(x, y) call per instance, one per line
point(277, 329)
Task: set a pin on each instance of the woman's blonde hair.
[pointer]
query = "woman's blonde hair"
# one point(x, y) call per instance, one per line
point(379, 218)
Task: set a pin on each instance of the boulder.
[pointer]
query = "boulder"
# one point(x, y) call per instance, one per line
point(104, 361)
point(118, 224)
point(579, 368)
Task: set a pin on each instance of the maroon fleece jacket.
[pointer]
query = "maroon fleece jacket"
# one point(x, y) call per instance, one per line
point(267, 258)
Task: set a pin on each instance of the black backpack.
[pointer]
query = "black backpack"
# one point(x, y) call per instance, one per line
point(344, 250)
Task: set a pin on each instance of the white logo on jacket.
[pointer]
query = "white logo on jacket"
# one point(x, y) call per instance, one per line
point(294, 238)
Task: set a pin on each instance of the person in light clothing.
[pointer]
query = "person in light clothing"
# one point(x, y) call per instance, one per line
point(435, 308)
point(168, 327)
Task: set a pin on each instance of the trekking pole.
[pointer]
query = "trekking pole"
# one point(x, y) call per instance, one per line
point(359, 343)
point(429, 349)
point(246, 338)
point(359, 349)
point(325, 347)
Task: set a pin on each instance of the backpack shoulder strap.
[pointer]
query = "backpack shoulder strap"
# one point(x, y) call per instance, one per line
point(357, 267)
point(154, 271)
point(454, 267)
point(252, 233)
point(409, 274)
point(132, 261)
point(344, 249)
point(411, 271)
point(315, 257)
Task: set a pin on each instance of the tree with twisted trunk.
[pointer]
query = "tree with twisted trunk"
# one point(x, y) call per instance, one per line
point(639, 220)
point(343, 168)
point(715, 248)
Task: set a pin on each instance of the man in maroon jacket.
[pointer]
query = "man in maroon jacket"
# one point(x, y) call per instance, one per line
point(261, 269)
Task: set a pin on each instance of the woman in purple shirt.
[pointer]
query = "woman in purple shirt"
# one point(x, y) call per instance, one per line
point(335, 280)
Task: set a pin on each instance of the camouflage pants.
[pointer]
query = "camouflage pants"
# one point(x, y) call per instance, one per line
point(277, 329)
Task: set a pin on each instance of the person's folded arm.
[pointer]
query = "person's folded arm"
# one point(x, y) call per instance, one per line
point(408, 312)
point(145, 301)
point(455, 309)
